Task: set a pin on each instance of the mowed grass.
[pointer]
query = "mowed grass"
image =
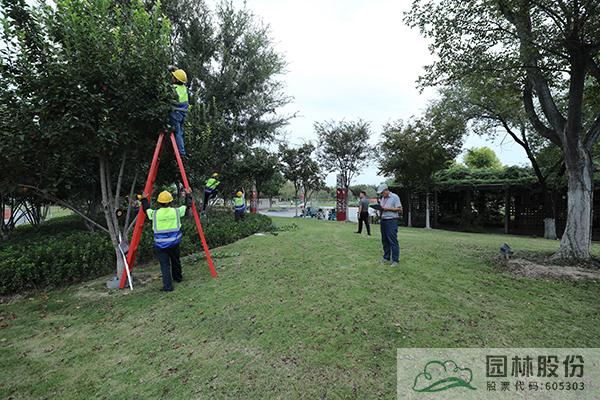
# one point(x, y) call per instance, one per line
point(307, 314)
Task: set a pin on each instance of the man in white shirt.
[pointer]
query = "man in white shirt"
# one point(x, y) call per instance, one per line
point(390, 207)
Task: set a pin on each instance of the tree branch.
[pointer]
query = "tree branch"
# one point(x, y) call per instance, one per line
point(45, 195)
point(129, 207)
point(106, 199)
point(120, 179)
point(538, 125)
point(530, 58)
point(592, 134)
point(594, 69)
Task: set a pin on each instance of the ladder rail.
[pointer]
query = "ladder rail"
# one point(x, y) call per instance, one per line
point(186, 185)
point(139, 224)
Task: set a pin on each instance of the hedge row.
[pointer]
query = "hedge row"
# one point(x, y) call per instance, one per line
point(62, 252)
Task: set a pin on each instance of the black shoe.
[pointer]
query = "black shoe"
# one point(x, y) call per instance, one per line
point(358, 232)
point(166, 290)
point(178, 280)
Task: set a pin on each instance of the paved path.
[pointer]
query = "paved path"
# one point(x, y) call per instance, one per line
point(290, 213)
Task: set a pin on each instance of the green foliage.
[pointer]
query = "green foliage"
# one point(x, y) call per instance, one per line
point(411, 153)
point(261, 166)
point(62, 251)
point(234, 73)
point(482, 157)
point(299, 167)
point(273, 187)
point(344, 147)
point(459, 175)
point(86, 80)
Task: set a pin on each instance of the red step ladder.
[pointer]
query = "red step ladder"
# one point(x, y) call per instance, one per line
point(139, 225)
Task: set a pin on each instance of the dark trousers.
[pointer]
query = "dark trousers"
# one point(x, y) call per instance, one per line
point(364, 217)
point(389, 239)
point(239, 215)
point(207, 196)
point(169, 264)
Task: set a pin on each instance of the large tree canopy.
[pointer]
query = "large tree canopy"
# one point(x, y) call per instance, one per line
point(551, 49)
point(344, 147)
point(235, 74)
point(482, 157)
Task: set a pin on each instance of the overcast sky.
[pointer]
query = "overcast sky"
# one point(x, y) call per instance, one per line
point(350, 59)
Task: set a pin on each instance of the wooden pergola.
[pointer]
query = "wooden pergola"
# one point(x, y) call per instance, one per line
point(490, 207)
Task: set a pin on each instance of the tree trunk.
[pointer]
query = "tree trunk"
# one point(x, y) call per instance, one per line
point(436, 208)
point(409, 222)
point(549, 220)
point(550, 228)
point(109, 213)
point(427, 222)
point(576, 240)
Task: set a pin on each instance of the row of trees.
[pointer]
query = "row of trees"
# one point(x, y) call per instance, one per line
point(84, 91)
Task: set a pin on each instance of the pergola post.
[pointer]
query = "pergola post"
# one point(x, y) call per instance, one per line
point(506, 208)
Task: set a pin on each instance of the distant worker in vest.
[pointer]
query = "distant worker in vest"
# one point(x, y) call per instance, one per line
point(210, 189)
point(179, 107)
point(239, 203)
point(166, 224)
point(390, 207)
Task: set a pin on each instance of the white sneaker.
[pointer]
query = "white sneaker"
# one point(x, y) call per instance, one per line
point(384, 261)
point(394, 264)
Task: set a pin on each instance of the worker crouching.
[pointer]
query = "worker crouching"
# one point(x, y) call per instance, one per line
point(166, 224)
point(239, 203)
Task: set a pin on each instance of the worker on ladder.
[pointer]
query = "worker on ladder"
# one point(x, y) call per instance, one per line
point(210, 189)
point(166, 224)
point(239, 203)
point(181, 103)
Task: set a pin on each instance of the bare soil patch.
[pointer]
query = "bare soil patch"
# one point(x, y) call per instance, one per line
point(541, 267)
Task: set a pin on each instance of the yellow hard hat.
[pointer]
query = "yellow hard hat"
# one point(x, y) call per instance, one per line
point(165, 197)
point(180, 75)
point(239, 194)
point(215, 174)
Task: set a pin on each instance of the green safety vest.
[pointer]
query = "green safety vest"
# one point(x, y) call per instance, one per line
point(182, 103)
point(212, 184)
point(166, 224)
point(239, 203)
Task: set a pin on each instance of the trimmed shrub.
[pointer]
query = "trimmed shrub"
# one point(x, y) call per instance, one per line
point(62, 252)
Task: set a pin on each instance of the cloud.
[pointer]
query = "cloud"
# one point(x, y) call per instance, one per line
point(350, 59)
point(438, 376)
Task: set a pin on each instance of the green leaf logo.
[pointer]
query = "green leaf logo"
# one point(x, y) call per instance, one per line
point(438, 376)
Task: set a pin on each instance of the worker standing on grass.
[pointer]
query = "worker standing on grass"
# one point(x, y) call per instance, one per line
point(390, 207)
point(210, 189)
point(239, 203)
point(166, 224)
point(179, 108)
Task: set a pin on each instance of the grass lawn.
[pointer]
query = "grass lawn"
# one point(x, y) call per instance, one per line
point(56, 211)
point(309, 313)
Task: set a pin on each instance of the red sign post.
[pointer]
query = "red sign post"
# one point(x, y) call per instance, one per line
point(341, 202)
point(254, 200)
